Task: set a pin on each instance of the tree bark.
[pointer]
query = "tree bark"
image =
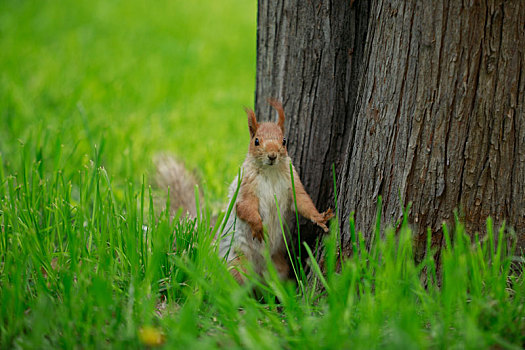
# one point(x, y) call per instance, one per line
point(419, 102)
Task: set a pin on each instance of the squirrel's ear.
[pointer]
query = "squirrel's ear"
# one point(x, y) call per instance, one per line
point(252, 121)
point(279, 108)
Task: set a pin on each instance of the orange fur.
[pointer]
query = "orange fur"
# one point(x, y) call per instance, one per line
point(237, 269)
point(279, 108)
point(306, 207)
point(248, 210)
point(252, 121)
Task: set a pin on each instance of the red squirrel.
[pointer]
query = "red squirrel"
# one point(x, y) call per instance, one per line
point(265, 175)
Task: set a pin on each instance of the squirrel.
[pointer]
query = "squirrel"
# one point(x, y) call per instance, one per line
point(265, 175)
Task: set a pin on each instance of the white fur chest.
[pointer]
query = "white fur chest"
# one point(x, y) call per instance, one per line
point(271, 184)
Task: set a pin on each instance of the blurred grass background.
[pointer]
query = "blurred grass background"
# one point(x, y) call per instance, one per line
point(168, 76)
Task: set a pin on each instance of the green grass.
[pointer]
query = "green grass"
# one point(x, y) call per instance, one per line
point(90, 91)
point(171, 76)
point(81, 268)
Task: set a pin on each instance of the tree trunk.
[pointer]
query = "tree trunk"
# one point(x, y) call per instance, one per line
point(420, 102)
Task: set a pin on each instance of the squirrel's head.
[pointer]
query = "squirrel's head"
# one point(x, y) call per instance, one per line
point(267, 141)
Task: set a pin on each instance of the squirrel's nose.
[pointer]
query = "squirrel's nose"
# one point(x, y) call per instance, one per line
point(272, 157)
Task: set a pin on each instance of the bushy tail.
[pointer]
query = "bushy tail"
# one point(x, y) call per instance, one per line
point(172, 174)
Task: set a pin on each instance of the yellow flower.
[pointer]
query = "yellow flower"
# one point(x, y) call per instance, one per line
point(151, 336)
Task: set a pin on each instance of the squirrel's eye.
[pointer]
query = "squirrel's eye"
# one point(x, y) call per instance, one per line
point(284, 141)
point(256, 142)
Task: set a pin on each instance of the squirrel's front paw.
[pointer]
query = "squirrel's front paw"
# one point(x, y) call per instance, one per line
point(323, 218)
point(258, 233)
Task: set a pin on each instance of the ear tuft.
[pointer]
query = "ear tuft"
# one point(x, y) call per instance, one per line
point(279, 108)
point(252, 121)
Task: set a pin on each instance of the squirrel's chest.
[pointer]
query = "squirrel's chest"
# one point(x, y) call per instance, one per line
point(270, 188)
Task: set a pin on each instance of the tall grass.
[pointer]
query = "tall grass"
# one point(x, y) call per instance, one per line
point(81, 267)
